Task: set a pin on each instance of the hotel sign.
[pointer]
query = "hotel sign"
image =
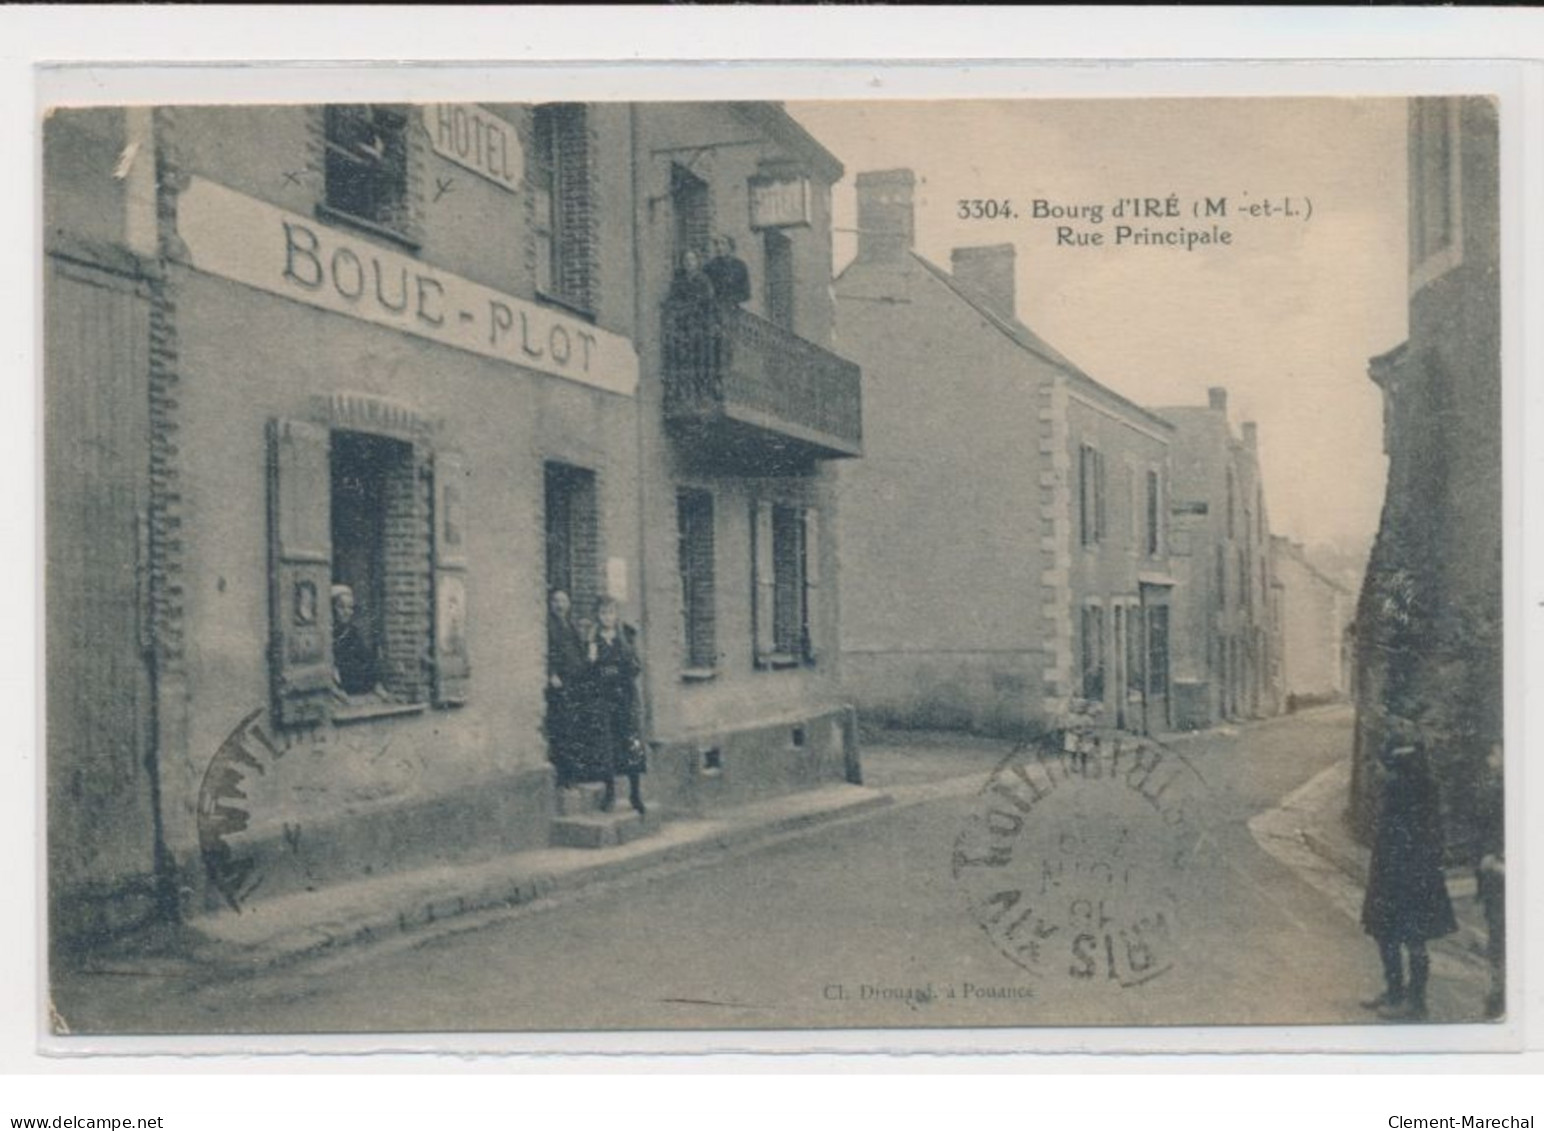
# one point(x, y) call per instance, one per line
point(236, 237)
point(779, 202)
point(476, 140)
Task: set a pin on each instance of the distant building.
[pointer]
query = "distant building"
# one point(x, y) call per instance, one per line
point(1315, 615)
point(1429, 632)
point(1229, 664)
point(1005, 541)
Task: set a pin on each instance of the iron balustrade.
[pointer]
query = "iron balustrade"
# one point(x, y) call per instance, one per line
point(725, 363)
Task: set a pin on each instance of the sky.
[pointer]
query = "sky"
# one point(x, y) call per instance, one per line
point(1285, 317)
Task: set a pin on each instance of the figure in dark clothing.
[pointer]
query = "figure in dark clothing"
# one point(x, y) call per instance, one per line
point(353, 656)
point(693, 332)
point(565, 673)
point(1407, 901)
point(730, 277)
point(1490, 880)
point(609, 742)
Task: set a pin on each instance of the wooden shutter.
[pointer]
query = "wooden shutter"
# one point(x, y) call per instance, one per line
point(574, 187)
point(763, 582)
point(811, 579)
point(451, 656)
point(300, 571)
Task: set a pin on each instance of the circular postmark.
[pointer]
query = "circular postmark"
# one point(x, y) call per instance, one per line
point(1073, 858)
point(267, 796)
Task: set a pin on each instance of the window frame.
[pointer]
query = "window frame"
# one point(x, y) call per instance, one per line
point(421, 555)
point(769, 650)
point(560, 162)
point(696, 550)
point(401, 230)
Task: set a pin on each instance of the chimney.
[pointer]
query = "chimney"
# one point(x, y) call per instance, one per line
point(886, 227)
point(1217, 398)
point(1251, 434)
point(988, 270)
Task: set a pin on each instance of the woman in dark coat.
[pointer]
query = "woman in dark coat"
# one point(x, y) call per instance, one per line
point(610, 743)
point(565, 672)
point(1407, 901)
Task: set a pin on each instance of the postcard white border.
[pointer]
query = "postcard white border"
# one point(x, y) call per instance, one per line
point(628, 35)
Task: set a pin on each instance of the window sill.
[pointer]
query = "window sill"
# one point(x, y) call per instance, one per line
point(331, 215)
point(778, 661)
point(363, 711)
point(566, 305)
point(698, 675)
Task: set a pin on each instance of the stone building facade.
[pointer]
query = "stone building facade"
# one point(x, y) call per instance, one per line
point(1429, 632)
point(1229, 666)
point(413, 351)
point(1316, 620)
point(1005, 548)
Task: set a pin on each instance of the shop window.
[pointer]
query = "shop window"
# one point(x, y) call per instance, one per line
point(368, 574)
point(1091, 495)
point(694, 519)
point(560, 171)
point(785, 572)
point(780, 287)
point(366, 165)
point(1093, 653)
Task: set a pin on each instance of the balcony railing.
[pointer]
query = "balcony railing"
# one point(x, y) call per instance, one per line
point(743, 379)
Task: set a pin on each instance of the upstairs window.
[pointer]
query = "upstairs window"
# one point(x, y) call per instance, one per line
point(779, 267)
point(691, 203)
point(1091, 495)
point(1154, 515)
point(1433, 177)
point(366, 165)
point(561, 175)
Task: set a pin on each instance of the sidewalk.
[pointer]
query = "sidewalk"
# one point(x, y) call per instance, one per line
point(1308, 832)
point(411, 907)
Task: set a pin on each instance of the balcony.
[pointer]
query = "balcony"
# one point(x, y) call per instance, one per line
point(741, 387)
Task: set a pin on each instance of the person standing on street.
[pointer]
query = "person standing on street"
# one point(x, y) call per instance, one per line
point(1407, 903)
point(1490, 880)
point(612, 694)
point(565, 668)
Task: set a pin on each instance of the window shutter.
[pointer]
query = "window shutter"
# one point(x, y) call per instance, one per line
point(576, 218)
point(763, 581)
point(452, 659)
point(300, 571)
point(811, 579)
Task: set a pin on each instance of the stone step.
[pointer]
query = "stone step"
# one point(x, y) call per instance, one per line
point(580, 800)
point(602, 830)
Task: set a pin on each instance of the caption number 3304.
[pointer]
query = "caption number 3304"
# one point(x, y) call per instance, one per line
point(981, 209)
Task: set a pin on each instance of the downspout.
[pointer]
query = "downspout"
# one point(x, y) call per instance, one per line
point(640, 434)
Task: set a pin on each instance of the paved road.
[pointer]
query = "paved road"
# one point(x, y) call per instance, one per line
point(833, 929)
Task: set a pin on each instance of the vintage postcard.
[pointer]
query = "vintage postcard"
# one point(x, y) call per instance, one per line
point(569, 566)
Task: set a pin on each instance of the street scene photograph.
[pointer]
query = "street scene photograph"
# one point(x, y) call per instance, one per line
point(747, 565)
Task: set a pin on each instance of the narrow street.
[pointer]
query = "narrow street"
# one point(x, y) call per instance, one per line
point(859, 924)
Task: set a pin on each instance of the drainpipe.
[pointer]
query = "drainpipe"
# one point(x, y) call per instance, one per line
point(639, 425)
